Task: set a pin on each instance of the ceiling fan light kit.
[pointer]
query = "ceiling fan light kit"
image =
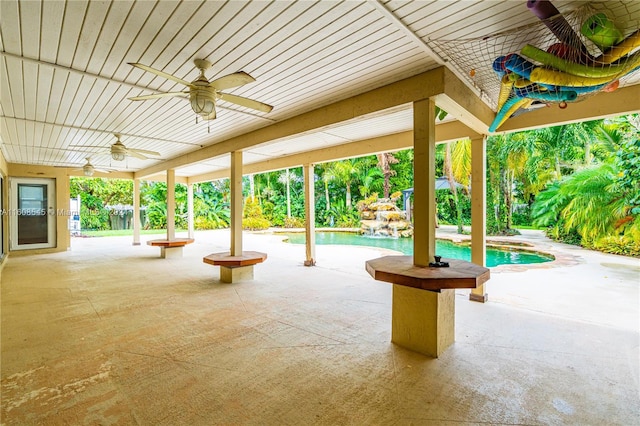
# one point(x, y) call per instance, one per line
point(118, 151)
point(87, 170)
point(203, 103)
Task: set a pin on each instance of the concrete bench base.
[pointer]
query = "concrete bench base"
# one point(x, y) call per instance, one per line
point(423, 306)
point(233, 274)
point(423, 321)
point(235, 268)
point(170, 248)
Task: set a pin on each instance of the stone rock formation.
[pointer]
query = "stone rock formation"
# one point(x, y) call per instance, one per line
point(383, 218)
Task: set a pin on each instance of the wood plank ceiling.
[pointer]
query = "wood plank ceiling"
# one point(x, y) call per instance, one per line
point(64, 77)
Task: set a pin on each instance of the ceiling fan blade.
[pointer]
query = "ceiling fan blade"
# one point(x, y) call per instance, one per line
point(89, 146)
point(143, 151)
point(160, 73)
point(232, 80)
point(137, 155)
point(158, 95)
point(245, 102)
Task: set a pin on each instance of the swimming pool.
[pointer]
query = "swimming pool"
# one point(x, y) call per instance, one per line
point(444, 248)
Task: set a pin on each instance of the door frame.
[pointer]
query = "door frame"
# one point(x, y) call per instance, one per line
point(14, 213)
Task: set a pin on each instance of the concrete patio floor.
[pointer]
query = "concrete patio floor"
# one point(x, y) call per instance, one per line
point(108, 333)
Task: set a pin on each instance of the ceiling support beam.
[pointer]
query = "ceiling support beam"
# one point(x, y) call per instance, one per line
point(625, 100)
point(445, 132)
point(463, 104)
point(422, 44)
point(421, 86)
point(71, 70)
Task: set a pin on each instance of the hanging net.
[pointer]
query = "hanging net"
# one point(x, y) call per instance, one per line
point(562, 58)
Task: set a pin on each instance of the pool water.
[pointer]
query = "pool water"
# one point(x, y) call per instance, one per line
point(446, 249)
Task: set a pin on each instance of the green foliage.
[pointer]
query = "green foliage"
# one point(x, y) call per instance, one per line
point(343, 216)
point(403, 171)
point(252, 218)
point(92, 215)
point(628, 179)
point(255, 223)
point(447, 209)
point(589, 203)
point(210, 209)
point(95, 194)
point(581, 182)
point(293, 222)
point(617, 244)
point(154, 197)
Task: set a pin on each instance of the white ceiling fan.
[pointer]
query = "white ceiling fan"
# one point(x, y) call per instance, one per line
point(203, 94)
point(88, 169)
point(119, 152)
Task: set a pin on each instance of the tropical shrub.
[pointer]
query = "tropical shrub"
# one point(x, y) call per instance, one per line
point(252, 216)
point(616, 244)
point(592, 205)
point(342, 216)
point(255, 223)
point(293, 222)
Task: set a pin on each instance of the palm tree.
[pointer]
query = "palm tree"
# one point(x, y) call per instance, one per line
point(457, 168)
point(345, 172)
point(328, 174)
point(602, 200)
point(586, 202)
point(385, 160)
point(286, 178)
point(370, 181)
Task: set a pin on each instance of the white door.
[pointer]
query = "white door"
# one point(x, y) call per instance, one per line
point(33, 213)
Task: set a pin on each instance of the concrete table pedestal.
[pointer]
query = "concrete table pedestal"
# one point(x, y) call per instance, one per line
point(170, 248)
point(423, 321)
point(423, 307)
point(235, 268)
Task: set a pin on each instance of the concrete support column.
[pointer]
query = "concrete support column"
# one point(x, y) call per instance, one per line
point(190, 224)
point(478, 211)
point(171, 204)
point(424, 171)
point(310, 214)
point(136, 212)
point(236, 203)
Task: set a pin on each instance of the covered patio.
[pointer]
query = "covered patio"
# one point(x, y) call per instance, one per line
point(115, 334)
point(84, 343)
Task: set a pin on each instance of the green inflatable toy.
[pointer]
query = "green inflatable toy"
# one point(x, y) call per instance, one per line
point(601, 31)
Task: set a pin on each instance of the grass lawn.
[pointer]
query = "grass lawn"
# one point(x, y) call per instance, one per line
point(125, 232)
point(535, 228)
